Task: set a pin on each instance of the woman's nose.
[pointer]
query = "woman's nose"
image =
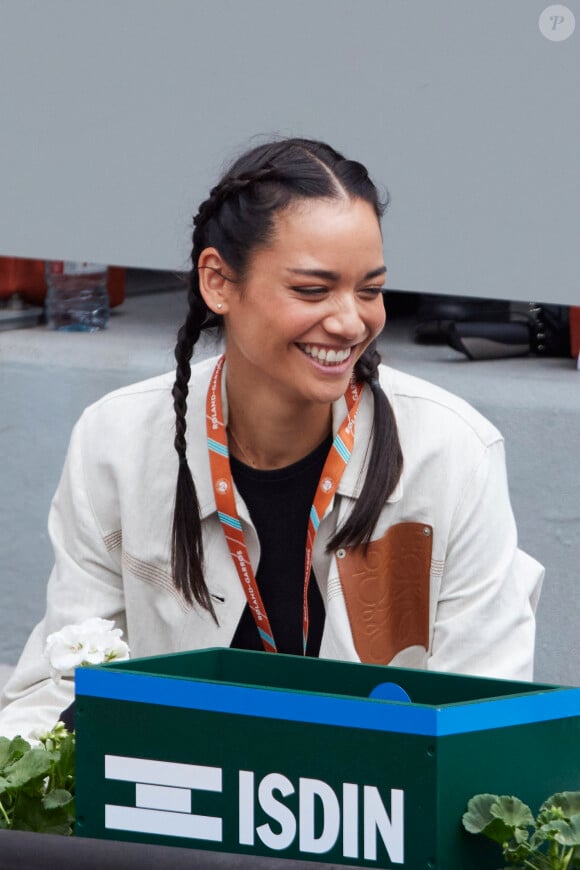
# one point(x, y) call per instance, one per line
point(345, 320)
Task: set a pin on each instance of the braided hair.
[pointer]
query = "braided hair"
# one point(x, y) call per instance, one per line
point(236, 218)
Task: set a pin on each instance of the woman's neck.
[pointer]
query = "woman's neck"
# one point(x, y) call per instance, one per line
point(267, 433)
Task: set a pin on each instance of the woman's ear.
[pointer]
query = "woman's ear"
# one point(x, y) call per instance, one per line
point(215, 280)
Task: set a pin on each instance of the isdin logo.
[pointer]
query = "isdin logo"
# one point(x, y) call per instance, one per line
point(163, 804)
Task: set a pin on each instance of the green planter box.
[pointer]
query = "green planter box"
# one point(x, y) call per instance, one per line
point(289, 757)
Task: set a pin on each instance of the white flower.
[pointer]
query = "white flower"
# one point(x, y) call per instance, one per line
point(91, 642)
point(51, 740)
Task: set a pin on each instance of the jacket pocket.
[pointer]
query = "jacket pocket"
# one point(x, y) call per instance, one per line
point(386, 589)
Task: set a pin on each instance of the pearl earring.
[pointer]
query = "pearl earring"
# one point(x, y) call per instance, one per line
point(219, 305)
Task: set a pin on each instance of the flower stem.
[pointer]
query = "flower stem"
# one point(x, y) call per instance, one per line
point(5, 814)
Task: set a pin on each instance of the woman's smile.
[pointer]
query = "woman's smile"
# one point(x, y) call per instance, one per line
point(333, 361)
point(326, 356)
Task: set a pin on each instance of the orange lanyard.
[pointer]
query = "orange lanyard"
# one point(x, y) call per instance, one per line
point(223, 485)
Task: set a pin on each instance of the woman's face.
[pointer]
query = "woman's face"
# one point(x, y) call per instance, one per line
point(310, 302)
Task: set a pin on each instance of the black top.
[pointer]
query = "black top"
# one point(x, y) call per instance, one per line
point(279, 503)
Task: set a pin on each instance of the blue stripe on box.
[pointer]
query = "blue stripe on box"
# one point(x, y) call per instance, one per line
point(251, 701)
point(538, 706)
point(371, 715)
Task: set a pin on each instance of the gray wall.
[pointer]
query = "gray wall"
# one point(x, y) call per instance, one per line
point(116, 115)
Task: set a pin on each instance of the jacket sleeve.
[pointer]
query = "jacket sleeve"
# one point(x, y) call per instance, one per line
point(484, 621)
point(85, 581)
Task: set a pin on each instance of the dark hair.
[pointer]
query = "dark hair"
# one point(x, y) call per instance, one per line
point(236, 218)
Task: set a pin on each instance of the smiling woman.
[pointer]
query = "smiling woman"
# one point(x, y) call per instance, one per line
point(313, 501)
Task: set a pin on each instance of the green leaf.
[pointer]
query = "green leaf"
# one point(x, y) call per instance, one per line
point(499, 832)
point(501, 819)
point(519, 854)
point(12, 750)
point(64, 773)
point(18, 747)
point(568, 802)
point(4, 751)
point(30, 815)
point(60, 797)
point(512, 812)
point(521, 835)
point(479, 819)
point(478, 814)
point(563, 831)
point(36, 763)
point(25, 775)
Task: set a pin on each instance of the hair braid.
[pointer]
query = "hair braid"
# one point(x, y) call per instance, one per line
point(385, 460)
point(186, 538)
point(186, 340)
point(233, 184)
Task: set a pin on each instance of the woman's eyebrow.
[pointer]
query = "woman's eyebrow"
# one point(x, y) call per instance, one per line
point(375, 273)
point(327, 275)
point(324, 274)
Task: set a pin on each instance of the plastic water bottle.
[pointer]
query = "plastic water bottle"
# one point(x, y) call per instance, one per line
point(77, 298)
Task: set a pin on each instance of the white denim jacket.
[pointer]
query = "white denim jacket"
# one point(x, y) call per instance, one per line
point(443, 585)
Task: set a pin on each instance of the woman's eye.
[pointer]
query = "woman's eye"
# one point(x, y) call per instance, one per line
point(373, 291)
point(310, 291)
point(317, 292)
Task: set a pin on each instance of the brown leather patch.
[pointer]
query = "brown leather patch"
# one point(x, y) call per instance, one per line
point(387, 592)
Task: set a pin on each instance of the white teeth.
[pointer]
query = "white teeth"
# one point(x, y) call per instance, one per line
point(328, 357)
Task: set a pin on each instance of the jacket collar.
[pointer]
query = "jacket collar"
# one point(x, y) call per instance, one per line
point(354, 474)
